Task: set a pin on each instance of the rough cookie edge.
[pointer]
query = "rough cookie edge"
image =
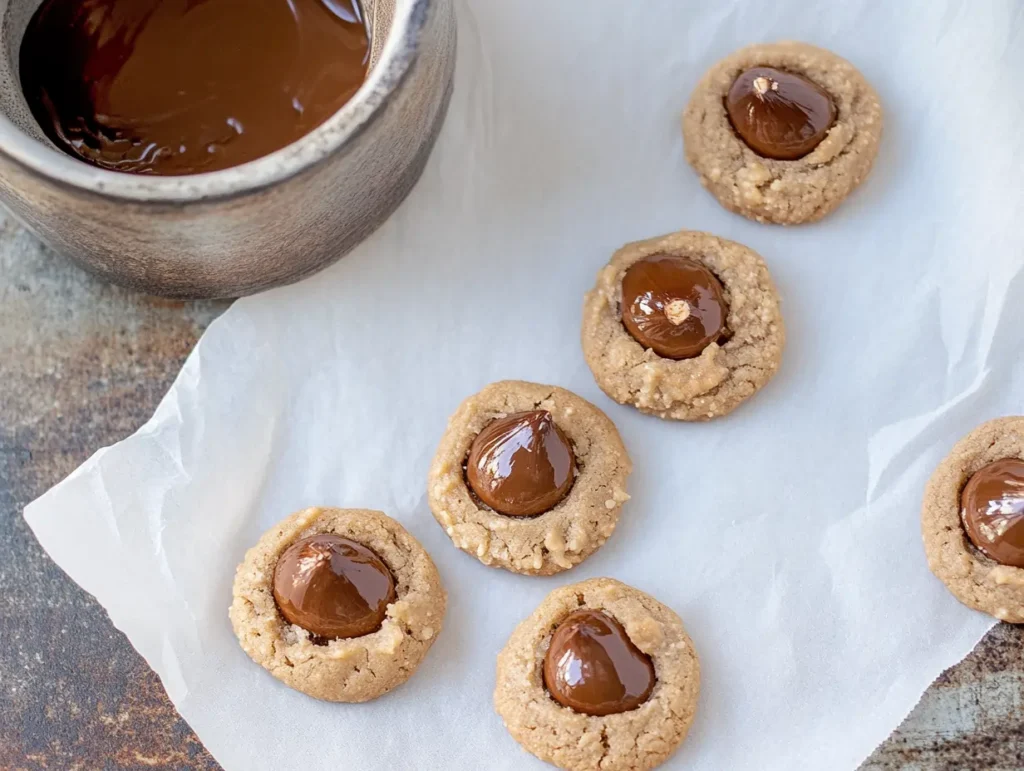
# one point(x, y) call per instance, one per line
point(408, 636)
point(742, 191)
point(975, 580)
point(696, 245)
point(441, 485)
point(581, 732)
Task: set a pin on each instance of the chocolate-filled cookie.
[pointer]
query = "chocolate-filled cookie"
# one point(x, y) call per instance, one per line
point(529, 477)
point(972, 519)
point(782, 132)
point(684, 326)
point(600, 675)
point(341, 604)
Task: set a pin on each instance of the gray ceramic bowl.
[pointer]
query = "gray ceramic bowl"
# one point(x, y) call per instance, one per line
point(268, 222)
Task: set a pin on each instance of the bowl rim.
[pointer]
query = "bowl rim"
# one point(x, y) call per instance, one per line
point(396, 59)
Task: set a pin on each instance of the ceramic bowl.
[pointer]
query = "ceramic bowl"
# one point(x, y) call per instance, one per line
point(268, 222)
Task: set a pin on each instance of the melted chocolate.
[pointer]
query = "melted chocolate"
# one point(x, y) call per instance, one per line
point(521, 465)
point(593, 667)
point(779, 114)
point(188, 86)
point(673, 305)
point(333, 587)
point(992, 510)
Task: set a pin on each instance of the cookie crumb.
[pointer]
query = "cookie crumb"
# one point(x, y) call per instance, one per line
point(677, 311)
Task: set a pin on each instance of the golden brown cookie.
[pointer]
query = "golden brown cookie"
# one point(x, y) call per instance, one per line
point(630, 715)
point(731, 367)
point(972, 520)
point(772, 94)
point(292, 561)
point(553, 460)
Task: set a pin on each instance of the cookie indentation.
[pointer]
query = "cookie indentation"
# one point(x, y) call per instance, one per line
point(333, 587)
point(779, 114)
point(673, 305)
point(594, 668)
point(521, 465)
point(992, 510)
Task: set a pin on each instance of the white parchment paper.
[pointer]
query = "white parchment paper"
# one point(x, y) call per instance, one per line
point(785, 535)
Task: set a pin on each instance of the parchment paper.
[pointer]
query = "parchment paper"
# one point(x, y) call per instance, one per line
point(786, 535)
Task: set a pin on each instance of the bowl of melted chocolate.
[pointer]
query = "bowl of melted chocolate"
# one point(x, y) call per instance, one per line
point(214, 148)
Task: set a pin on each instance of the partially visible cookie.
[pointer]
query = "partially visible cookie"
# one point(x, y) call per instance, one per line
point(529, 477)
point(601, 675)
point(782, 132)
point(341, 604)
point(972, 520)
point(699, 332)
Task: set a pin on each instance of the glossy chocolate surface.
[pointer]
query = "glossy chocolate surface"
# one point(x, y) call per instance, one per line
point(333, 587)
point(779, 114)
point(187, 86)
point(673, 305)
point(593, 667)
point(521, 465)
point(992, 511)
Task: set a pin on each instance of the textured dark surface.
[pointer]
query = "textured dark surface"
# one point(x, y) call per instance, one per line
point(83, 365)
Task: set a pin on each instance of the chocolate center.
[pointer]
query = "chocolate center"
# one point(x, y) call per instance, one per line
point(593, 667)
point(779, 115)
point(333, 587)
point(673, 305)
point(992, 511)
point(521, 465)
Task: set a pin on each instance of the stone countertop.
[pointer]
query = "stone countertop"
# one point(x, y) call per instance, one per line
point(83, 365)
